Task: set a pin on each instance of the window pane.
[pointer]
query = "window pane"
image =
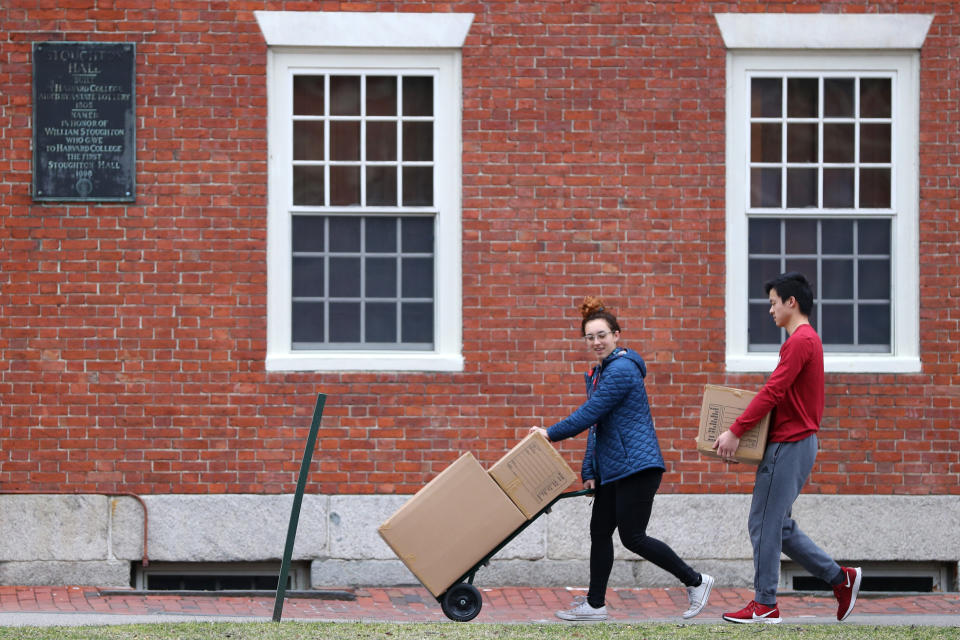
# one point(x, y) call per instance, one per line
point(417, 321)
point(873, 237)
point(765, 142)
point(417, 277)
point(308, 233)
point(837, 236)
point(417, 235)
point(801, 188)
point(417, 186)
point(381, 322)
point(308, 140)
point(838, 97)
point(418, 141)
point(381, 96)
point(875, 143)
point(761, 271)
point(802, 97)
point(764, 236)
point(344, 322)
point(308, 186)
point(801, 142)
point(418, 96)
point(344, 140)
point(762, 330)
point(837, 279)
point(381, 278)
point(873, 324)
point(875, 98)
point(766, 97)
point(307, 322)
point(765, 188)
point(308, 95)
point(344, 186)
point(382, 186)
point(381, 141)
point(345, 277)
point(875, 188)
point(801, 236)
point(344, 234)
point(873, 279)
point(381, 235)
point(308, 277)
point(838, 142)
point(806, 267)
point(344, 95)
point(838, 188)
point(837, 324)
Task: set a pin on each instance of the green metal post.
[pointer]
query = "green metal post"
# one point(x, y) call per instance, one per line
point(295, 511)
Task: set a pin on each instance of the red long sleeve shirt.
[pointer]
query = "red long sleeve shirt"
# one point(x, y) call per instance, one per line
point(794, 391)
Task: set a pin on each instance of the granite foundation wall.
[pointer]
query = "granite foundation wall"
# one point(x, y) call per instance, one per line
point(95, 539)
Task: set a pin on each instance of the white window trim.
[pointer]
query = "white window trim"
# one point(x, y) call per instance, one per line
point(787, 42)
point(318, 40)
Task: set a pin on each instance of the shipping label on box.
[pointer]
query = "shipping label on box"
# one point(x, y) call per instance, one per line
point(532, 474)
point(451, 524)
point(721, 407)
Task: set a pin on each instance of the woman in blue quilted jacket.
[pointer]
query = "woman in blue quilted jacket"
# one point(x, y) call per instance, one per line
point(622, 464)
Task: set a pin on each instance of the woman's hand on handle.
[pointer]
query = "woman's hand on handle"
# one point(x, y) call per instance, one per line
point(541, 431)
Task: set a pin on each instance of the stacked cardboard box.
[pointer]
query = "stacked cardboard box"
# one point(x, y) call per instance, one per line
point(460, 516)
point(532, 474)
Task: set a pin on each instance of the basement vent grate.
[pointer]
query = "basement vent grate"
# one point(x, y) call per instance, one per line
point(893, 577)
point(206, 576)
point(913, 584)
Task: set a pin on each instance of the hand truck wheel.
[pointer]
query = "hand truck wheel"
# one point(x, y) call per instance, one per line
point(461, 602)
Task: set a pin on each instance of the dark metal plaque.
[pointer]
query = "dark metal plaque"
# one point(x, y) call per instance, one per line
point(84, 143)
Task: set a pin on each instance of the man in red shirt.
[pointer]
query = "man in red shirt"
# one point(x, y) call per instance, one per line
point(794, 392)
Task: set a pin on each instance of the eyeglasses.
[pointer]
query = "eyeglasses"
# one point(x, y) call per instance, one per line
point(600, 335)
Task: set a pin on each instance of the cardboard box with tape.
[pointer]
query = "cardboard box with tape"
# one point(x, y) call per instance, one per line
point(721, 407)
point(532, 474)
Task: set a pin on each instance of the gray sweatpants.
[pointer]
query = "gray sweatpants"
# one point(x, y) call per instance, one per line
point(780, 478)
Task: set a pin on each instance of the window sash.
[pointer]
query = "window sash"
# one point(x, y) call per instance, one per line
point(444, 354)
point(903, 213)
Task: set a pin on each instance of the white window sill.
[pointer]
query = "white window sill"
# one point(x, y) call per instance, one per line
point(363, 361)
point(832, 363)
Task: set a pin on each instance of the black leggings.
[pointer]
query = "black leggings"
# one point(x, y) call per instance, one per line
point(625, 505)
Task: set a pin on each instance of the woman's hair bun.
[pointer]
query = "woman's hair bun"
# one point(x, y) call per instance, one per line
point(590, 306)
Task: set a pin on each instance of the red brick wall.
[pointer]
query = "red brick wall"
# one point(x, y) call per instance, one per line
point(132, 337)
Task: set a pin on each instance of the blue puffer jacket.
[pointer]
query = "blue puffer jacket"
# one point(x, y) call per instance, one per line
point(622, 440)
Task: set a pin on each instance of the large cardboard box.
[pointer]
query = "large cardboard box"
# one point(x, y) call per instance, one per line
point(451, 524)
point(532, 474)
point(721, 407)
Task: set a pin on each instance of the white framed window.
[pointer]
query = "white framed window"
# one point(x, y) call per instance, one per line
point(364, 232)
point(822, 156)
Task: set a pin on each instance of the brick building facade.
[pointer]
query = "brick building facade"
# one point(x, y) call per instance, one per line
point(400, 204)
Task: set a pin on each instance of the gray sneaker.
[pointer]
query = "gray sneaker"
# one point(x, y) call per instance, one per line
point(699, 595)
point(581, 610)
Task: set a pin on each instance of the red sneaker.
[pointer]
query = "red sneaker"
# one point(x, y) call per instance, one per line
point(847, 591)
point(755, 612)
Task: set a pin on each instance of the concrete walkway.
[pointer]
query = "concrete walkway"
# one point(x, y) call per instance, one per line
point(56, 606)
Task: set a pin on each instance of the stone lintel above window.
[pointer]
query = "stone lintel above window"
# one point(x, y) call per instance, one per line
point(363, 29)
point(823, 31)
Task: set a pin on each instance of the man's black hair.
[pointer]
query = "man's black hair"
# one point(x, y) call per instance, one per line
point(792, 284)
